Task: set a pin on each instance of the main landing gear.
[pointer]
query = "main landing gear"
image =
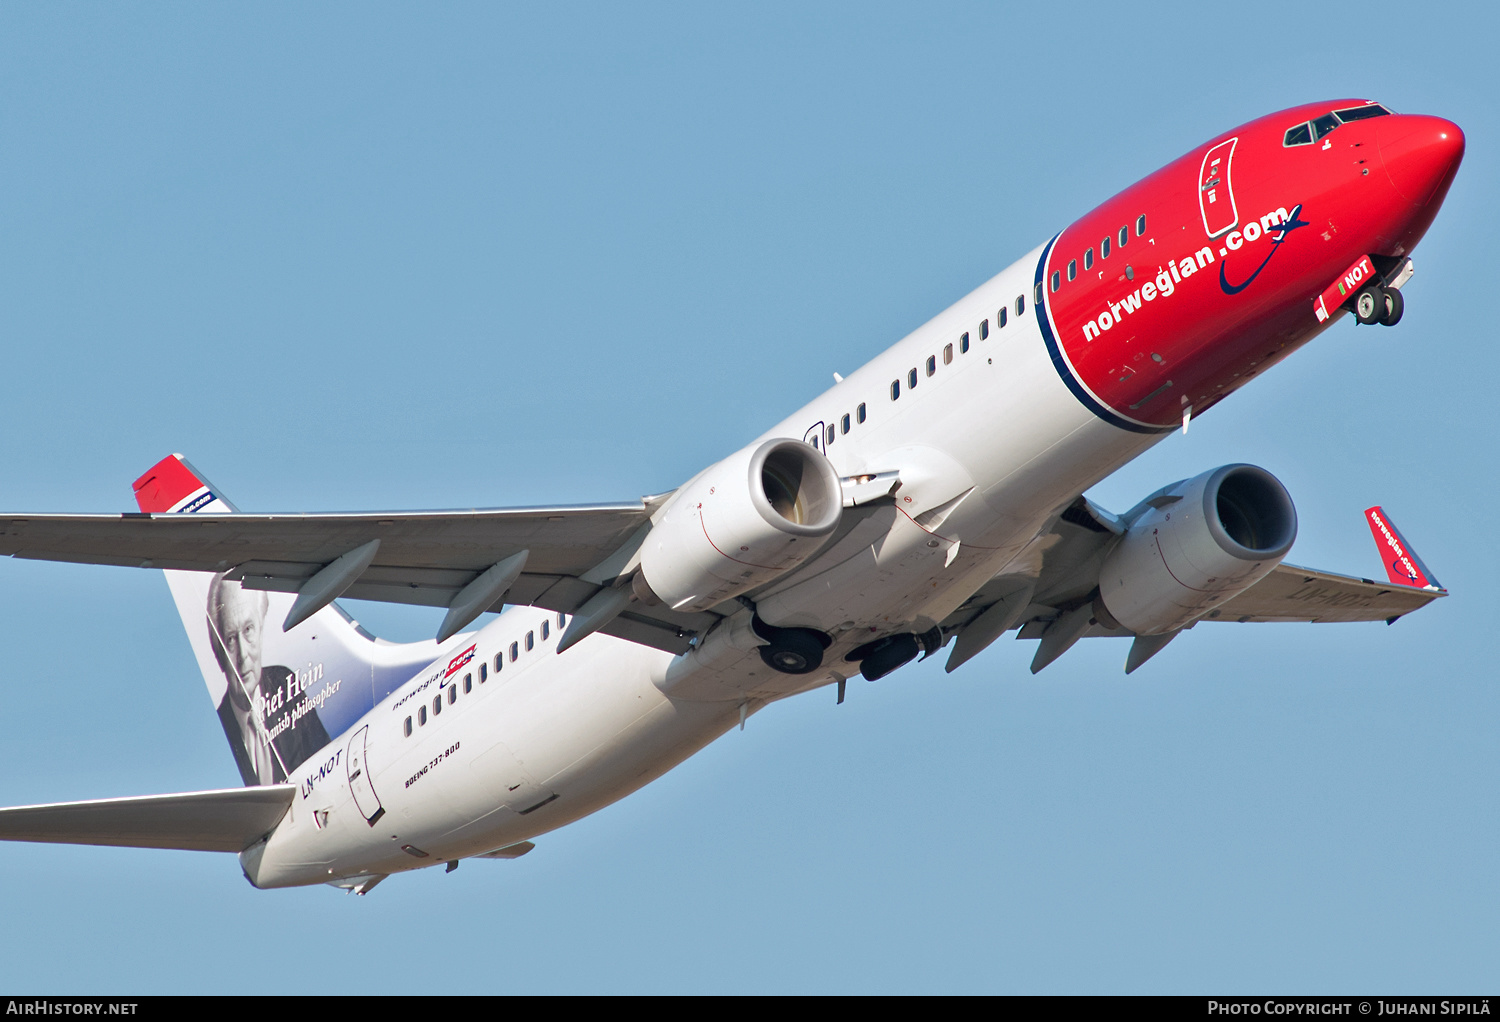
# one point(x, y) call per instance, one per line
point(1379, 304)
point(878, 658)
point(791, 650)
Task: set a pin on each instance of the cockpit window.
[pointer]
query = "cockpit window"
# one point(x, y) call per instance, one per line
point(1323, 125)
point(1300, 135)
point(1313, 131)
point(1361, 113)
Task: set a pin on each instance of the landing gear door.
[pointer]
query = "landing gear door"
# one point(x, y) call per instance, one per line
point(360, 785)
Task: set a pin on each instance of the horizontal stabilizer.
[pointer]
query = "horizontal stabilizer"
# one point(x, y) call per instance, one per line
point(203, 821)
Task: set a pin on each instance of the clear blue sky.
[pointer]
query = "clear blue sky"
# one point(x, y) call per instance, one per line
point(365, 256)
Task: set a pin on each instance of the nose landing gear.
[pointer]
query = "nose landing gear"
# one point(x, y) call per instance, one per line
point(1377, 304)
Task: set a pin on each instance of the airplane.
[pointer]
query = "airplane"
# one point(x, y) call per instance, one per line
point(933, 498)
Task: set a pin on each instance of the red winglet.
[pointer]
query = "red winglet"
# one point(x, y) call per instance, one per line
point(1402, 564)
point(166, 484)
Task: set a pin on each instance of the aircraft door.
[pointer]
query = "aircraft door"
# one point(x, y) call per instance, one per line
point(1216, 189)
point(360, 784)
point(814, 436)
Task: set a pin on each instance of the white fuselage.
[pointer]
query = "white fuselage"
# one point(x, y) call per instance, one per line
point(990, 446)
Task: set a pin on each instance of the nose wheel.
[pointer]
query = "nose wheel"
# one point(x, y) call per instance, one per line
point(1377, 304)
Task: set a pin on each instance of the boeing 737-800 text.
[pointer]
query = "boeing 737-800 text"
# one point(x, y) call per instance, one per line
point(933, 498)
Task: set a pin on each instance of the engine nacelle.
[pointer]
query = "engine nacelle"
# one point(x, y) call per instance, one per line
point(741, 523)
point(1198, 543)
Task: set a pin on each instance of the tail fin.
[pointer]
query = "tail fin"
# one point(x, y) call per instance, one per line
point(1402, 565)
point(281, 697)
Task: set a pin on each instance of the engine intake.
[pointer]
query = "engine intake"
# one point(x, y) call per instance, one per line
point(1195, 545)
point(741, 523)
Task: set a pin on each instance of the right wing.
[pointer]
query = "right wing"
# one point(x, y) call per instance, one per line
point(1056, 579)
point(230, 820)
point(1291, 593)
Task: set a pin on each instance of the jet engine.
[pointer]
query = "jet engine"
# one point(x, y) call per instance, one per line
point(741, 523)
point(1195, 545)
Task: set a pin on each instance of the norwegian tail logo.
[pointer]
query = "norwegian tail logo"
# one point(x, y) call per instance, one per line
point(280, 697)
point(1402, 565)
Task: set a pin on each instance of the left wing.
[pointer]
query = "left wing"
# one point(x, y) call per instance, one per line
point(430, 558)
point(424, 557)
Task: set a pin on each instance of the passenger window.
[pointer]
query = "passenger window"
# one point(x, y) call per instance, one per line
point(1072, 269)
point(1140, 226)
point(452, 694)
point(1036, 298)
point(844, 422)
point(895, 389)
point(545, 630)
point(1104, 249)
point(406, 728)
point(562, 619)
point(984, 332)
point(1088, 259)
point(499, 662)
point(1001, 317)
point(911, 379)
point(948, 351)
point(859, 413)
point(421, 715)
point(530, 642)
point(1124, 236)
point(1020, 305)
point(468, 683)
point(515, 652)
point(963, 342)
point(1056, 280)
point(932, 362)
point(437, 704)
point(484, 672)
point(832, 432)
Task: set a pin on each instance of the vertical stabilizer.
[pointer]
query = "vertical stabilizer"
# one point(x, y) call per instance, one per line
point(280, 696)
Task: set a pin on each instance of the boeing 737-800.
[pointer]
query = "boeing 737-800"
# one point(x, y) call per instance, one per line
point(932, 498)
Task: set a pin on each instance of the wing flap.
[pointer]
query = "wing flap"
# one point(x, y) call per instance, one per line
point(228, 820)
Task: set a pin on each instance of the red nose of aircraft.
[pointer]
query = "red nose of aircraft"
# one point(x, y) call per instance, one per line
point(1421, 154)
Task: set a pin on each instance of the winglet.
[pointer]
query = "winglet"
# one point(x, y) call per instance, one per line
point(1402, 564)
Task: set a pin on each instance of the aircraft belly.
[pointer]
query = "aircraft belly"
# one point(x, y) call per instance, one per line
point(533, 769)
